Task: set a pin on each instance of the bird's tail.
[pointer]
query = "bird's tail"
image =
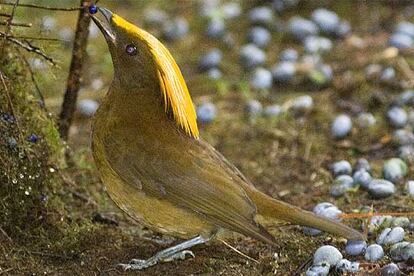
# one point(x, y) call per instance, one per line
point(274, 210)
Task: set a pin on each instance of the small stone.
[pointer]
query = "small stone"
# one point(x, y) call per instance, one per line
point(211, 59)
point(66, 35)
point(87, 107)
point(321, 75)
point(390, 270)
point(11, 142)
point(410, 188)
point(388, 74)
point(176, 29)
point(231, 10)
point(259, 36)
point(365, 120)
point(381, 188)
point(214, 74)
point(373, 71)
point(301, 28)
point(362, 178)
point(406, 98)
point(340, 168)
point(374, 253)
point(342, 184)
point(251, 56)
point(406, 153)
point(402, 251)
point(341, 126)
point(328, 21)
point(346, 266)
point(401, 41)
point(48, 23)
point(394, 169)
point(290, 55)
point(97, 84)
point(273, 110)
point(391, 236)
point(397, 117)
point(327, 254)
point(206, 113)
point(155, 17)
point(406, 28)
point(317, 44)
point(362, 164)
point(282, 5)
point(261, 15)
point(403, 137)
point(403, 222)
point(378, 222)
point(343, 29)
point(302, 104)
point(216, 28)
point(253, 108)
point(321, 269)
point(355, 248)
point(261, 79)
point(324, 209)
point(284, 72)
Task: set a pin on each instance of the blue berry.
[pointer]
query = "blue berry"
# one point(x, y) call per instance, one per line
point(93, 9)
point(33, 138)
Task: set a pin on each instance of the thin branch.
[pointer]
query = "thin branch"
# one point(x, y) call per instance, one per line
point(73, 83)
point(32, 76)
point(4, 14)
point(44, 7)
point(11, 105)
point(28, 47)
point(5, 234)
point(238, 251)
point(37, 38)
point(7, 23)
point(10, 19)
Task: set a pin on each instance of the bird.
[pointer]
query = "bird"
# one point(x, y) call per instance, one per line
point(156, 167)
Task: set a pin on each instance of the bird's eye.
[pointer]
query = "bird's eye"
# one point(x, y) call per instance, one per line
point(131, 49)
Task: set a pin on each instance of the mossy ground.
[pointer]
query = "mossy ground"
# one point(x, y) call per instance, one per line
point(53, 231)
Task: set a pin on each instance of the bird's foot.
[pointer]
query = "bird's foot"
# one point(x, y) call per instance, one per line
point(138, 264)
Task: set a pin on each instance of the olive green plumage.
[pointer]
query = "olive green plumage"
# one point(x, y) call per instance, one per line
point(146, 146)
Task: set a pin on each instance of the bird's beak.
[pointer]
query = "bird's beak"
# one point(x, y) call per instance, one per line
point(105, 27)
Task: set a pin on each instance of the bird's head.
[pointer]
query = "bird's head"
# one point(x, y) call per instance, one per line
point(141, 60)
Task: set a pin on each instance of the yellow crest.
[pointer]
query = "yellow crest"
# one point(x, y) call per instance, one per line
point(172, 83)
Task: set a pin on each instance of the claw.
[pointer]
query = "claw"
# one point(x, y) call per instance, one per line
point(179, 256)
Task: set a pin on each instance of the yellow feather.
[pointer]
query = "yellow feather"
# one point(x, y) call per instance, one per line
point(172, 83)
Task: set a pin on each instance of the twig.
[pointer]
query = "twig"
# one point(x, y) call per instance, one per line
point(8, 26)
point(73, 84)
point(302, 267)
point(369, 215)
point(6, 270)
point(5, 234)
point(11, 105)
point(45, 254)
point(238, 251)
point(37, 38)
point(44, 7)
point(7, 23)
point(28, 47)
point(32, 76)
point(4, 14)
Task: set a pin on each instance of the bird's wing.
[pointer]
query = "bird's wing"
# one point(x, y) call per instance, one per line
point(199, 179)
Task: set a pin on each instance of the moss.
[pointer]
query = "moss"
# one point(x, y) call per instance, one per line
point(31, 154)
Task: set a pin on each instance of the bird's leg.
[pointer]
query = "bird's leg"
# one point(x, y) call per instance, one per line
point(176, 252)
